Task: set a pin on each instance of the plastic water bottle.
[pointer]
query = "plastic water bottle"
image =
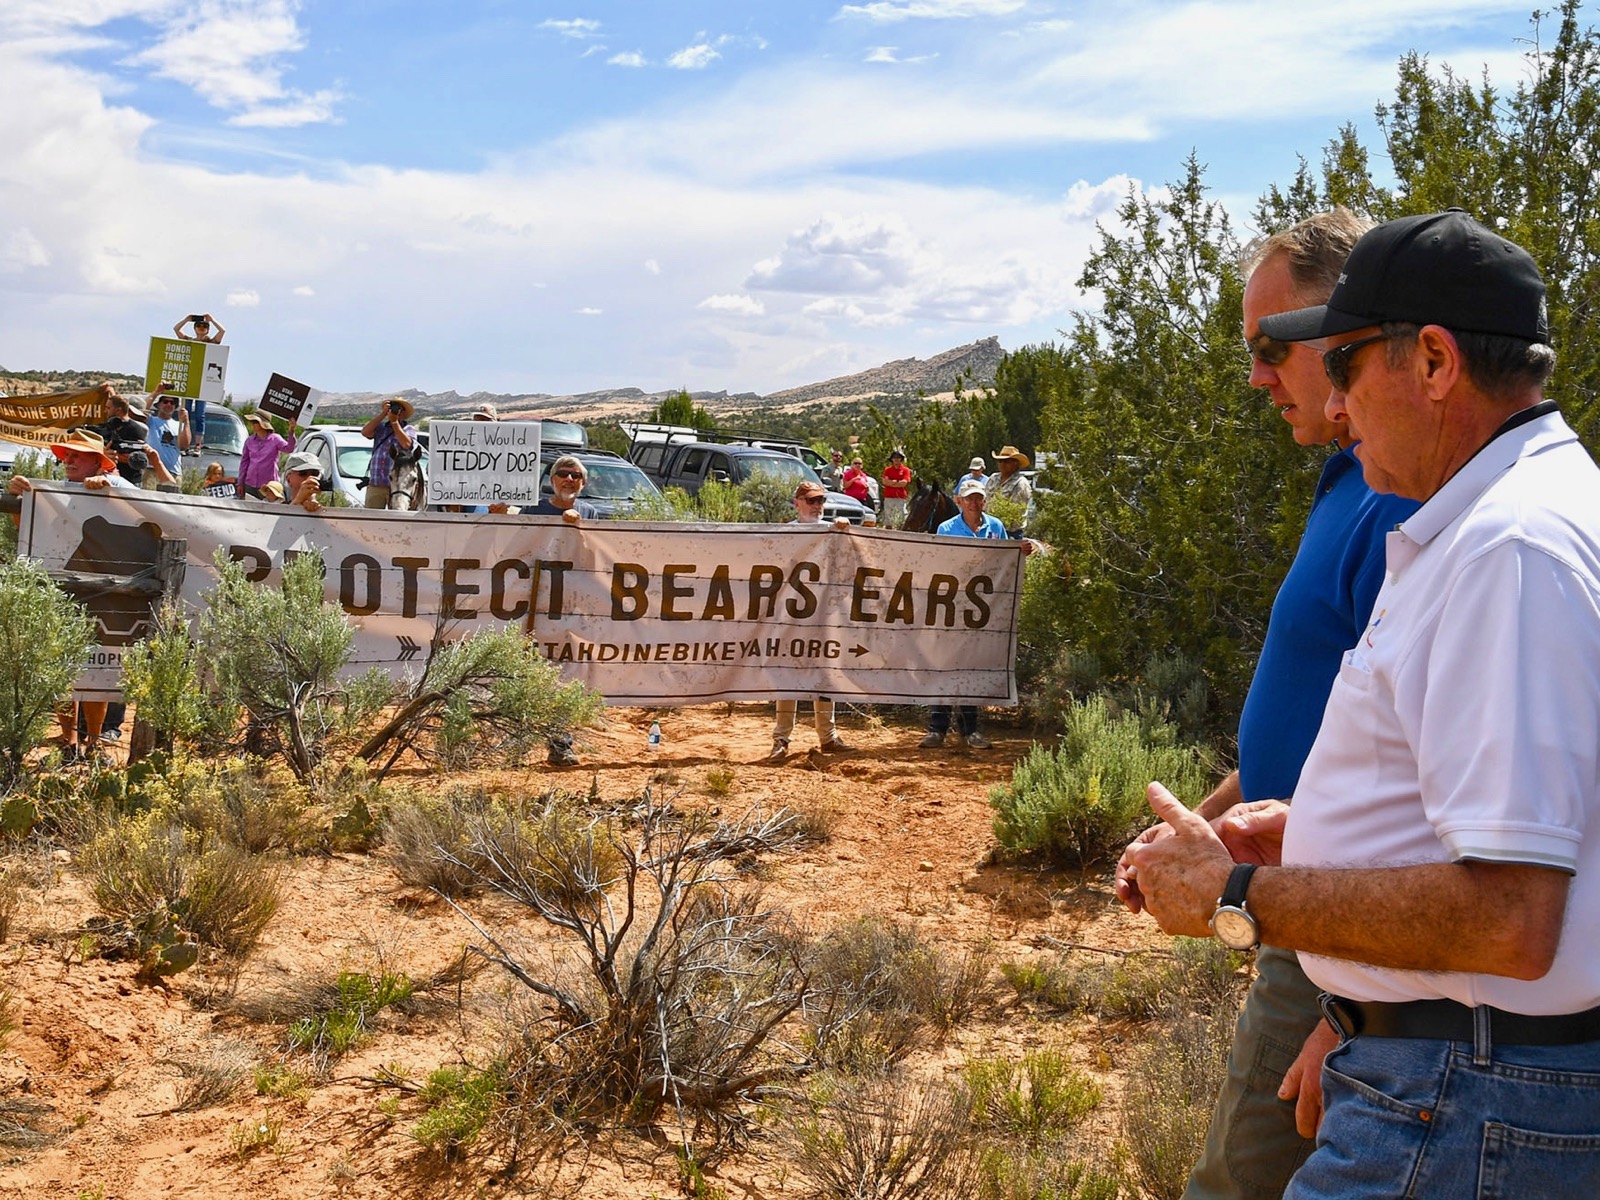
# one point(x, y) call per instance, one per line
point(655, 734)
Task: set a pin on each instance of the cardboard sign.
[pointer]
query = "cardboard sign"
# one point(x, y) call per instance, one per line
point(646, 613)
point(483, 462)
point(289, 399)
point(194, 370)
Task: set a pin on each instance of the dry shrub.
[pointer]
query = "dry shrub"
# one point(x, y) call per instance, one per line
point(816, 817)
point(881, 1138)
point(222, 896)
point(12, 878)
point(878, 991)
point(1052, 1173)
point(426, 839)
point(1195, 975)
point(1177, 1078)
point(211, 1073)
point(1039, 1099)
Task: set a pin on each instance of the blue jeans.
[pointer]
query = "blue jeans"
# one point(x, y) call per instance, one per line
point(197, 422)
point(966, 719)
point(1415, 1117)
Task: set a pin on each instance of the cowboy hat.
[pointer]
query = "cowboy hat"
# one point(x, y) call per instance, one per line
point(485, 412)
point(407, 408)
point(260, 418)
point(1010, 452)
point(81, 440)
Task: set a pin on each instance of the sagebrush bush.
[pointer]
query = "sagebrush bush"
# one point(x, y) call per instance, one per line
point(221, 895)
point(45, 637)
point(1082, 802)
point(161, 677)
point(1177, 1078)
point(1042, 1097)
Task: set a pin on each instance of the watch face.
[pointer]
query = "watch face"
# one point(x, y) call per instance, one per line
point(1235, 928)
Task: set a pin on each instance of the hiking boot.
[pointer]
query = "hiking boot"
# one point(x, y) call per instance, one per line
point(834, 745)
point(978, 742)
point(931, 741)
point(780, 750)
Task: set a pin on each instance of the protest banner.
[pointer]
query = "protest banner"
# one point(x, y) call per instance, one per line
point(40, 420)
point(483, 462)
point(194, 370)
point(289, 399)
point(646, 613)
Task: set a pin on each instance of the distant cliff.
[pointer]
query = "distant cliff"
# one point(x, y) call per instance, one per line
point(974, 365)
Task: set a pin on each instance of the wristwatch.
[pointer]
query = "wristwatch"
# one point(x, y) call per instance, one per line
point(1232, 923)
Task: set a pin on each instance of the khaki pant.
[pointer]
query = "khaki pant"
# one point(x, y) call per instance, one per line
point(821, 714)
point(377, 496)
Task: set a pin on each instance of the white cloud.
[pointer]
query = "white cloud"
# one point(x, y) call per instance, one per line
point(860, 255)
point(22, 250)
point(628, 58)
point(1098, 201)
point(305, 289)
point(244, 298)
point(652, 266)
point(891, 54)
point(578, 28)
point(885, 11)
point(737, 305)
point(232, 56)
point(588, 312)
point(694, 58)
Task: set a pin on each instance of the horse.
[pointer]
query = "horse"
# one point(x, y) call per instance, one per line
point(929, 505)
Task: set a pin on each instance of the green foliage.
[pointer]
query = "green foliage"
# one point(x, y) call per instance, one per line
point(1179, 498)
point(45, 638)
point(161, 678)
point(1081, 803)
point(680, 409)
point(359, 998)
point(766, 498)
point(1043, 1097)
point(460, 1102)
point(277, 653)
point(281, 1082)
point(1048, 1174)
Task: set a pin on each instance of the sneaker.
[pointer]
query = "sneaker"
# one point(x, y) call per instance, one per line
point(69, 754)
point(931, 742)
point(978, 742)
point(780, 750)
point(834, 745)
point(111, 735)
point(562, 756)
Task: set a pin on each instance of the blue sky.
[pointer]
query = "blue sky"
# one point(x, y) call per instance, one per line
point(510, 196)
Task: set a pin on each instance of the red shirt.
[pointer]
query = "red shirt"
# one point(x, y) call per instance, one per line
point(854, 483)
point(896, 481)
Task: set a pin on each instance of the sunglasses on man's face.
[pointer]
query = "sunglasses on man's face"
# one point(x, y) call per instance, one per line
point(812, 501)
point(1268, 350)
point(568, 474)
point(1336, 362)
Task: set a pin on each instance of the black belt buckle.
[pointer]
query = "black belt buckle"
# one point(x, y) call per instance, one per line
point(1340, 1013)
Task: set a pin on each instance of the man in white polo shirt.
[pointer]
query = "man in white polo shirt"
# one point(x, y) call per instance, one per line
point(1437, 878)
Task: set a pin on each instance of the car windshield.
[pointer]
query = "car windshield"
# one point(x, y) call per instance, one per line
point(616, 481)
point(223, 435)
point(784, 468)
point(354, 460)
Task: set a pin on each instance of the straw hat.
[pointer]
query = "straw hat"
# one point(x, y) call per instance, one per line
point(83, 440)
point(1010, 452)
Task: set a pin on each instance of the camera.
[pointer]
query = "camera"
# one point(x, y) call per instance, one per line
point(198, 319)
point(395, 406)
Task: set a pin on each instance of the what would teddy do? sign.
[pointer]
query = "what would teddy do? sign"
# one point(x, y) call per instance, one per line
point(483, 462)
point(646, 613)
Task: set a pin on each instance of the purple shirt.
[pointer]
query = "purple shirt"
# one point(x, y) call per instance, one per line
point(258, 461)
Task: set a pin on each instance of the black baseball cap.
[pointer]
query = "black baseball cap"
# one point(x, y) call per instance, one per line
point(1437, 269)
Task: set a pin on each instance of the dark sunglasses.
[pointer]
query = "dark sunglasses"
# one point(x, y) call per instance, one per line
point(567, 474)
point(1336, 362)
point(1268, 350)
point(813, 500)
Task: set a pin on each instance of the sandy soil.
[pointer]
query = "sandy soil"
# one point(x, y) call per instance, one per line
point(94, 1056)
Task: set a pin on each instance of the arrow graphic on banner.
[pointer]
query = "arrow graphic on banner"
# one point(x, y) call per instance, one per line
point(408, 649)
point(858, 651)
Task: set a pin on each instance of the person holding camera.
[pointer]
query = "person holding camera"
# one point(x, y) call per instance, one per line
point(204, 329)
point(302, 481)
point(169, 434)
point(124, 433)
point(258, 460)
point(392, 439)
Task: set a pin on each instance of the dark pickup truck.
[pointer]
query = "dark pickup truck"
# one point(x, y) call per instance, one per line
point(688, 465)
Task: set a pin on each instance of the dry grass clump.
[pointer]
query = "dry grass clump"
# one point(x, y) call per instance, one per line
point(1194, 975)
point(885, 1137)
point(211, 1072)
point(1177, 1076)
point(878, 991)
point(223, 896)
point(816, 817)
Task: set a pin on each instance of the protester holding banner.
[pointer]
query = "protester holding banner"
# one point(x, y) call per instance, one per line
point(204, 330)
point(392, 439)
point(169, 435)
point(808, 501)
point(258, 460)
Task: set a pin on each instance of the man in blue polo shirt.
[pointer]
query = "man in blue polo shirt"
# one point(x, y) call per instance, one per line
point(1254, 1145)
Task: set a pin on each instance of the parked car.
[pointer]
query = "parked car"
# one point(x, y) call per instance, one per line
point(223, 442)
point(690, 464)
point(344, 456)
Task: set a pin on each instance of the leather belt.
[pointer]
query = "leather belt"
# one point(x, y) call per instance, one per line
point(1447, 1020)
